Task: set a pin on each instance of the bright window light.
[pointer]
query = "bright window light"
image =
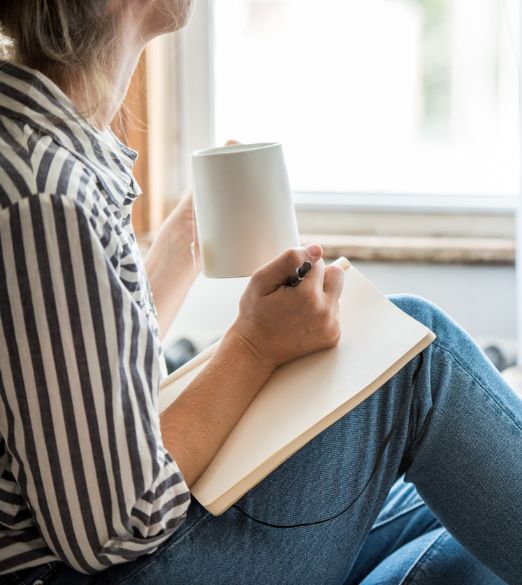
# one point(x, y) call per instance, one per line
point(382, 96)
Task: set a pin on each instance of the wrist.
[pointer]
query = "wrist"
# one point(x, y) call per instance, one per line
point(245, 350)
point(169, 254)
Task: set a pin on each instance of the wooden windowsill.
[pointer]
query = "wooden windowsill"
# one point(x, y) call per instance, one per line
point(436, 250)
point(428, 250)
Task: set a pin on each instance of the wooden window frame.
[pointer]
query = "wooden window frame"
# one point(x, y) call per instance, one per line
point(140, 124)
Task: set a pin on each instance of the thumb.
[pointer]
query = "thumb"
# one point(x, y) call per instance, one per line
point(333, 281)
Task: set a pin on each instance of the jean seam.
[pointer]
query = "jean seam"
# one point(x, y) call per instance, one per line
point(473, 376)
point(168, 547)
point(398, 515)
point(410, 572)
point(49, 573)
point(51, 570)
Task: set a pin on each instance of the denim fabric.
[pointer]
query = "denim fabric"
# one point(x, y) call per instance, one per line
point(407, 545)
point(323, 517)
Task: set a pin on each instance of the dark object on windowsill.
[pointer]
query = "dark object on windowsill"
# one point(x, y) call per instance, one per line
point(497, 357)
point(179, 353)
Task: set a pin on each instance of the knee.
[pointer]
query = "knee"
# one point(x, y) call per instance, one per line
point(422, 310)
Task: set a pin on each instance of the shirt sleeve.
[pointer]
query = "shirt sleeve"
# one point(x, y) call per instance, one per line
point(78, 389)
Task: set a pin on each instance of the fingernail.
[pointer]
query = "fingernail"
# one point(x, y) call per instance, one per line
point(314, 250)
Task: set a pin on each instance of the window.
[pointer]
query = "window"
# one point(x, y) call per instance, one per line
point(383, 100)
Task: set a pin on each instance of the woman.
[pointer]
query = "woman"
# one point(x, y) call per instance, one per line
point(94, 485)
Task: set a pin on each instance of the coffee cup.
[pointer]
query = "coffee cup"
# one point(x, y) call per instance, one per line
point(244, 207)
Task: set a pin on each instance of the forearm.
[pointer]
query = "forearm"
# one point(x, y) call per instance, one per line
point(171, 273)
point(195, 426)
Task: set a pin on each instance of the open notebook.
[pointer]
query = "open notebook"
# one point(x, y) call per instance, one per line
point(306, 396)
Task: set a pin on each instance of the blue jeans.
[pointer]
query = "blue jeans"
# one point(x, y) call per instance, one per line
point(421, 483)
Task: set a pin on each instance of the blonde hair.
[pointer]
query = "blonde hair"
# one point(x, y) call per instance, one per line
point(69, 41)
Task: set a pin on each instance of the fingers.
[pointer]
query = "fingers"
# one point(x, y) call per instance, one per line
point(329, 279)
point(333, 282)
point(231, 142)
point(314, 279)
point(270, 276)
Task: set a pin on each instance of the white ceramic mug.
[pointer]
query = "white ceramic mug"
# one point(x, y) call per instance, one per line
point(244, 208)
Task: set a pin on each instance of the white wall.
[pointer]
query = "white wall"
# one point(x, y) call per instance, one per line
point(480, 298)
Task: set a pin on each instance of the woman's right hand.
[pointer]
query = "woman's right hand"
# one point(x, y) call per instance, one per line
point(280, 323)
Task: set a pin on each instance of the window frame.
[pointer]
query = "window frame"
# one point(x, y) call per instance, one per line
point(413, 214)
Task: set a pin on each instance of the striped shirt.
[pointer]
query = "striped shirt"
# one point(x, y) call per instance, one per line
point(84, 476)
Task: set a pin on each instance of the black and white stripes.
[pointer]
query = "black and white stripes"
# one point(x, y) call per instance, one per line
point(84, 477)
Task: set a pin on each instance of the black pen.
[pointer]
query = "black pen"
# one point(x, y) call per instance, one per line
point(296, 278)
point(300, 273)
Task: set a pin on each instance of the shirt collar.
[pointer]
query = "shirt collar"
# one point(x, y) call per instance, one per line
point(30, 96)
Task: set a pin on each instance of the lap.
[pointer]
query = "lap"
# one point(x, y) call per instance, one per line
point(406, 544)
point(304, 523)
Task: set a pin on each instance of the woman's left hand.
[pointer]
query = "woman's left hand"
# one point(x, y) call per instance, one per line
point(180, 225)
